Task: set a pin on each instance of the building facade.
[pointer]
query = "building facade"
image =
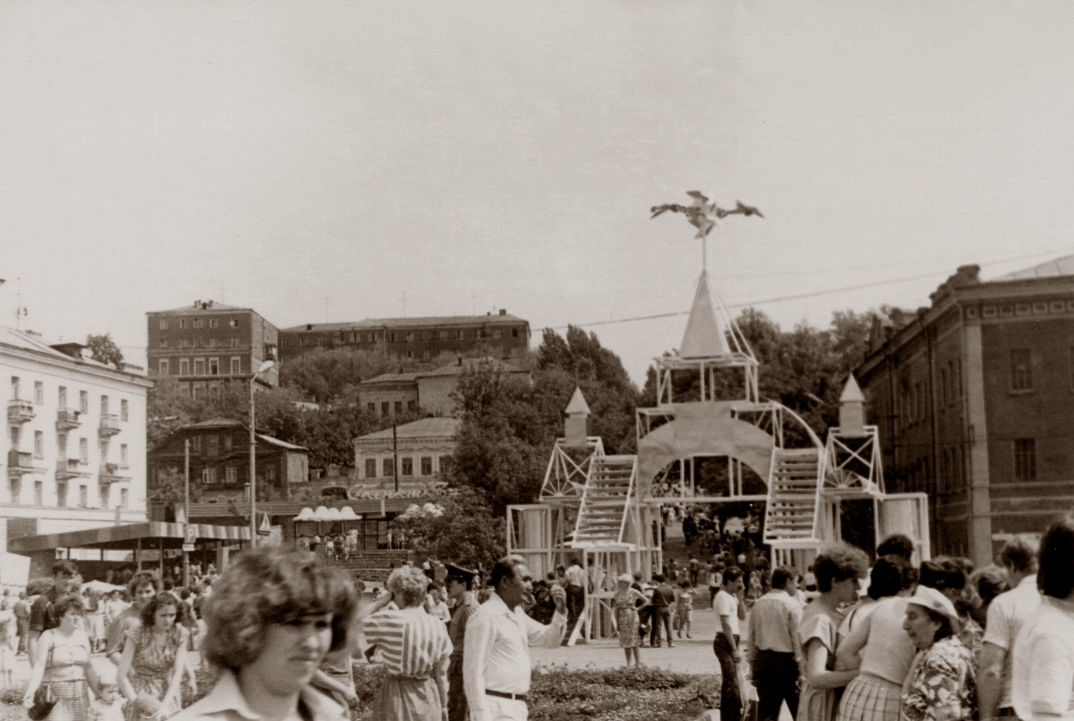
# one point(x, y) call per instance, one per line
point(220, 466)
point(207, 344)
point(423, 448)
point(424, 339)
point(74, 451)
point(974, 400)
point(395, 394)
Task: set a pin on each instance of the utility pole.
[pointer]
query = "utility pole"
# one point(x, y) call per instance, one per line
point(395, 456)
point(186, 508)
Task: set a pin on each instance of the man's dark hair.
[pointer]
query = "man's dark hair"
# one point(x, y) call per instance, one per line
point(890, 575)
point(64, 568)
point(143, 578)
point(1019, 555)
point(731, 574)
point(780, 577)
point(504, 568)
point(658, 577)
point(896, 545)
point(1056, 575)
point(942, 573)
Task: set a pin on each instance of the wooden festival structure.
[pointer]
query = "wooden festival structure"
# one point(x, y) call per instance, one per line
point(605, 510)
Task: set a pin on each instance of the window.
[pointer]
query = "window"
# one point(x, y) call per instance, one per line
point(445, 465)
point(124, 497)
point(104, 405)
point(124, 457)
point(62, 397)
point(236, 365)
point(514, 332)
point(425, 355)
point(495, 332)
point(195, 444)
point(14, 387)
point(213, 322)
point(943, 386)
point(1021, 370)
point(371, 408)
point(408, 466)
point(83, 399)
point(211, 342)
point(39, 393)
point(83, 496)
point(163, 324)
point(1025, 459)
point(214, 366)
point(39, 444)
point(163, 366)
point(199, 366)
point(212, 444)
point(384, 408)
point(227, 441)
point(231, 475)
point(182, 323)
point(208, 475)
point(83, 451)
point(163, 342)
point(124, 409)
point(370, 467)
point(411, 406)
point(234, 341)
point(184, 366)
point(398, 408)
point(234, 323)
point(389, 467)
point(61, 443)
point(39, 493)
point(443, 335)
point(458, 334)
point(197, 323)
point(426, 466)
point(410, 337)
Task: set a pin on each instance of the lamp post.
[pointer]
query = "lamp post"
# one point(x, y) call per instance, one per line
point(266, 365)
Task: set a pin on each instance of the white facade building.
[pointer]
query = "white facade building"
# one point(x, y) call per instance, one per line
point(424, 449)
point(74, 454)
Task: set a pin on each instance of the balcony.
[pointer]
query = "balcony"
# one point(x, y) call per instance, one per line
point(110, 473)
point(19, 411)
point(109, 425)
point(67, 419)
point(18, 463)
point(67, 468)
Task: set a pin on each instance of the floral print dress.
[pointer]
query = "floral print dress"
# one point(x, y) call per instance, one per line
point(941, 684)
point(153, 666)
point(626, 616)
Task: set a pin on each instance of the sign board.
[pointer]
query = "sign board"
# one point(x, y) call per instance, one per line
point(188, 547)
point(191, 535)
point(265, 527)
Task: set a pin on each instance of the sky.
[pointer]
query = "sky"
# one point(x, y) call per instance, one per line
point(331, 161)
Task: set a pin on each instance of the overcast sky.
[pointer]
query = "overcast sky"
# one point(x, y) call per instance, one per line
point(340, 160)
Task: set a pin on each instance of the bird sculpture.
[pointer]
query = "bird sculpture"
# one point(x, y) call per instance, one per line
point(704, 214)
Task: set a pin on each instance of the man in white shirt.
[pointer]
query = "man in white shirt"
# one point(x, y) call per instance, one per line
point(576, 582)
point(496, 659)
point(725, 645)
point(1007, 614)
point(773, 640)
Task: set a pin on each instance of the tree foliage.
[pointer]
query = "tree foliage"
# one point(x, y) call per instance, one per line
point(332, 375)
point(468, 532)
point(104, 350)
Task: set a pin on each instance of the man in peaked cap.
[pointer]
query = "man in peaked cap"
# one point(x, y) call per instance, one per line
point(459, 582)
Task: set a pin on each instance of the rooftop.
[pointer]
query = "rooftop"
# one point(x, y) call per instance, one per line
point(458, 367)
point(202, 306)
point(12, 337)
point(1048, 269)
point(423, 428)
point(415, 322)
point(232, 423)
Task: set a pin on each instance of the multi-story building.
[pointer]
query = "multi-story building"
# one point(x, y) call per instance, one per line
point(501, 334)
point(974, 400)
point(74, 451)
point(207, 344)
point(428, 391)
point(220, 465)
point(424, 449)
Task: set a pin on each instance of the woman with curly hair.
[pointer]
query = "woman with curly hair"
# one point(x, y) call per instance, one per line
point(153, 661)
point(63, 662)
point(414, 648)
point(837, 569)
point(271, 619)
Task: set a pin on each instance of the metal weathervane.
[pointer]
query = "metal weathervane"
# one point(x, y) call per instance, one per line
point(704, 215)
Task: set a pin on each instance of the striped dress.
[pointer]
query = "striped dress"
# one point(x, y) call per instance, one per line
point(414, 649)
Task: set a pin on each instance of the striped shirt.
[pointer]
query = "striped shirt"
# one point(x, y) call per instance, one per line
point(409, 642)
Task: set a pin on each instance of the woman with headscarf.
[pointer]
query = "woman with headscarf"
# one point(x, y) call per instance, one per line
point(941, 685)
point(272, 617)
point(414, 648)
point(626, 602)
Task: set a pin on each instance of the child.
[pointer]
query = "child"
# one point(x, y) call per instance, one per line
point(109, 707)
point(684, 608)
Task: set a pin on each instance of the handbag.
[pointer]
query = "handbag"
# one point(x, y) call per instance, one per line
point(44, 700)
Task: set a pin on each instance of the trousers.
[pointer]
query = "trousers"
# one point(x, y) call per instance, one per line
point(730, 696)
point(775, 675)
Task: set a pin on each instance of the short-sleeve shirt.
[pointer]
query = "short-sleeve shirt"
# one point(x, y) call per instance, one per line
point(1007, 613)
point(726, 605)
point(1042, 675)
point(42, 617)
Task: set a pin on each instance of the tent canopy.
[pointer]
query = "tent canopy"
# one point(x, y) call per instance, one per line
point(154, 534)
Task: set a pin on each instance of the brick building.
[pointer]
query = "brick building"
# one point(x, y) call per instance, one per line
point(428, 391)
point(501, 334)
point(220, 465)
point(974, 399)
point(207, 344)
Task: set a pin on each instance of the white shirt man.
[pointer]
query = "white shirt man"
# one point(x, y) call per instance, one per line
point(496, 660)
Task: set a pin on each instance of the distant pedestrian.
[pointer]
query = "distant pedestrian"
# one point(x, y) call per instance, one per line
point(464, 605)
point(663, 602)
point(626, 602)
point(22, 620)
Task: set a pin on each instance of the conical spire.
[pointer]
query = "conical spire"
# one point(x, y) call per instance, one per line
point(851, 408)
point(577, 403)
point(705, 335)
point(575, 425)
point(851, 392)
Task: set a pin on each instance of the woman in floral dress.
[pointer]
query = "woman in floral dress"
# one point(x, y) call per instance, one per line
point(941, 684)
point(627, 601)
point(154, 657)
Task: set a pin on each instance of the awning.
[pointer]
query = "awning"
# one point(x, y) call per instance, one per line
point(154, 534)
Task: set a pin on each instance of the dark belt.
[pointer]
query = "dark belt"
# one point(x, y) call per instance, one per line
point(1006, 712)
point(513, 696)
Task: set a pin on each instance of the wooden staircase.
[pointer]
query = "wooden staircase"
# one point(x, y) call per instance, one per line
point(605, 501)
point(793, 487)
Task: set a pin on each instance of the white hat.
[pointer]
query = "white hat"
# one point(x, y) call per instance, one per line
point(625, 578)
point(936, 602)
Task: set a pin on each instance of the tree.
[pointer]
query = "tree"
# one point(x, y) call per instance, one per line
point(463, 529)
point(104, 350)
